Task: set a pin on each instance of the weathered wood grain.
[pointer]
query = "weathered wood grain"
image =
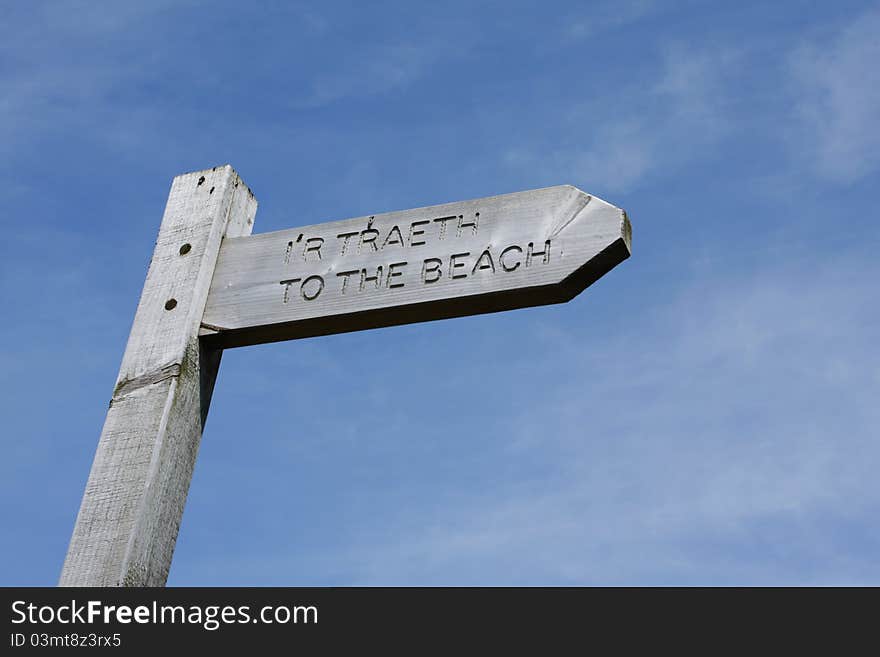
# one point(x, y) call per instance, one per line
point(131, 510)
point(484, 255)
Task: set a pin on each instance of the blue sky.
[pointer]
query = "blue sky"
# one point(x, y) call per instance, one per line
point(705, 414)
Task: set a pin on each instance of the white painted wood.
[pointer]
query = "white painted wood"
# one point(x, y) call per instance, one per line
point(131, 510)
point(484, 255)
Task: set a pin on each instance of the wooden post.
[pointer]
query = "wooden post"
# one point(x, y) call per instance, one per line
point(133, 503)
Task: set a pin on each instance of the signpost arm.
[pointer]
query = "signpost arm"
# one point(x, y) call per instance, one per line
point(133, 502)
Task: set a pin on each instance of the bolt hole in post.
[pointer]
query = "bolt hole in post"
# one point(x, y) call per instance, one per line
point(186, 248)
point(171, 304)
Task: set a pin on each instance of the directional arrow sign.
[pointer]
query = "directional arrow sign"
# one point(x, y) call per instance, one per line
point(479, 256)
point(209, 279)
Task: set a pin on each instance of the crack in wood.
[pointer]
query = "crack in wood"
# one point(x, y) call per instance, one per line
point(128, 386)
point(212, 327)
point(580, 202)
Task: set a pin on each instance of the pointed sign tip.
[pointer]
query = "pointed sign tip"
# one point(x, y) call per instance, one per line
point(626, 231)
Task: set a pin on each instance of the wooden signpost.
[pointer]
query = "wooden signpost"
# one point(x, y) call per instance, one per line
point(211, 286)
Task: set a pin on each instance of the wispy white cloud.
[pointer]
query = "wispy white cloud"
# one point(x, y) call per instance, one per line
point(602, 16)
point(837, 81)
point(370, 73)
point(66, 60)
point(743, 408)
point(672, 115)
